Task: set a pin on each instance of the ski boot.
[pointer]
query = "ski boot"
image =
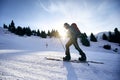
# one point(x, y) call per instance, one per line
point(83, 58)
point(66, 58)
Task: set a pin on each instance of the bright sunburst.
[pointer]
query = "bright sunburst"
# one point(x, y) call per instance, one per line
point(63, 33)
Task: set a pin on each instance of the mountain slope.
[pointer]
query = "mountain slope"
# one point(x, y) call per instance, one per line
point(23, 58)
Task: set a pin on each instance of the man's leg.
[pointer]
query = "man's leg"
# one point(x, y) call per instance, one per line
point(67, 52)
point(83, 56)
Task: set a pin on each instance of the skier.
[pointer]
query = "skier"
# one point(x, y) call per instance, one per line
point(74, 33)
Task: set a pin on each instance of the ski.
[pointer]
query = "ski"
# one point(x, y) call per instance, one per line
point(60, 59)
point(74, 61)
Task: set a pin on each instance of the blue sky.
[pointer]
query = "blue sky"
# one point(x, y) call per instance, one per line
point(90, 15)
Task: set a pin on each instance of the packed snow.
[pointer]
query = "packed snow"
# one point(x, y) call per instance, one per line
point(23, 58)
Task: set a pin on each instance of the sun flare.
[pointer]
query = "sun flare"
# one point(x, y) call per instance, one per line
point(63, 33)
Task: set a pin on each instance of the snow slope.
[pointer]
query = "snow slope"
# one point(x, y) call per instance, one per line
point(23, 58)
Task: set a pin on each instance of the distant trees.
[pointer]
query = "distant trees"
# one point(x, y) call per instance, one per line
point(38, 32)
point(28, 31)
point(43, 34)
point(54, 33)
point(21, 31)
point(112, 36)
point(49, 33)
point(104, 37)
point(34, 33)
point(93, 38)
point(11, 27)
point(115, 36)
point(5, 26)
point(84, 40)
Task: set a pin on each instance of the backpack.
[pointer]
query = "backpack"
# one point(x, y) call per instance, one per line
point(75, 28)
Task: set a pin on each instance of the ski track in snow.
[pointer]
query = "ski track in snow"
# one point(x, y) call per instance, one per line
point(31, 68)
point(35, 67)
point(23, 58)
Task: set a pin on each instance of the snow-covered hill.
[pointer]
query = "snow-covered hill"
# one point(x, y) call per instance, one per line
point(99, 35)
point(23, 58)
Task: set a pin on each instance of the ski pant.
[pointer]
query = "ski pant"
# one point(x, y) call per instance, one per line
point(75, 43)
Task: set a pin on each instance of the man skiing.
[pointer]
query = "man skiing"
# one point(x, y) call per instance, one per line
point(74, 33)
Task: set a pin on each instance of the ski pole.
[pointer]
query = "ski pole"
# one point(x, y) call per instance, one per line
point(61, 43)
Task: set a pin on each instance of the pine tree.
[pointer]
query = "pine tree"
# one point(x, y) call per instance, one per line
point(84, 40)
point(28, 31)
point(93, 38)
point(9, 28)
point(12, 27)
point(48, 34)
point(56, 34)
point(24, 31)
point(43, 34)
point(34, 32)
point(117, 35)
point(52, 33)
point(5, 26)
point(19, 31)
point(104, 37)
point(38, 33)
point(85, 35)
point(110, 37)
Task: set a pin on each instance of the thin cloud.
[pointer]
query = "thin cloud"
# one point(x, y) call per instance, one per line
point(89, 14)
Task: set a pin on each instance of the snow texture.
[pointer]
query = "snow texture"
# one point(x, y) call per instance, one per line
point(23, 58)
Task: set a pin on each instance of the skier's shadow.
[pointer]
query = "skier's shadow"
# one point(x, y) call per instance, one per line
point(71, 75)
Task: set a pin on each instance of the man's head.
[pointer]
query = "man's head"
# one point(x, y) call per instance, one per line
point(66, 25)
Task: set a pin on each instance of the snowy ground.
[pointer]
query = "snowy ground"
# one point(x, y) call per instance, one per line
point(23, 58)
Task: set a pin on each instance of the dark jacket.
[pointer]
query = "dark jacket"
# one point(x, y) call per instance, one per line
point(73, 32)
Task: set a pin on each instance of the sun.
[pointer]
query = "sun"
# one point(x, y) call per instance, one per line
point(62, 33)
